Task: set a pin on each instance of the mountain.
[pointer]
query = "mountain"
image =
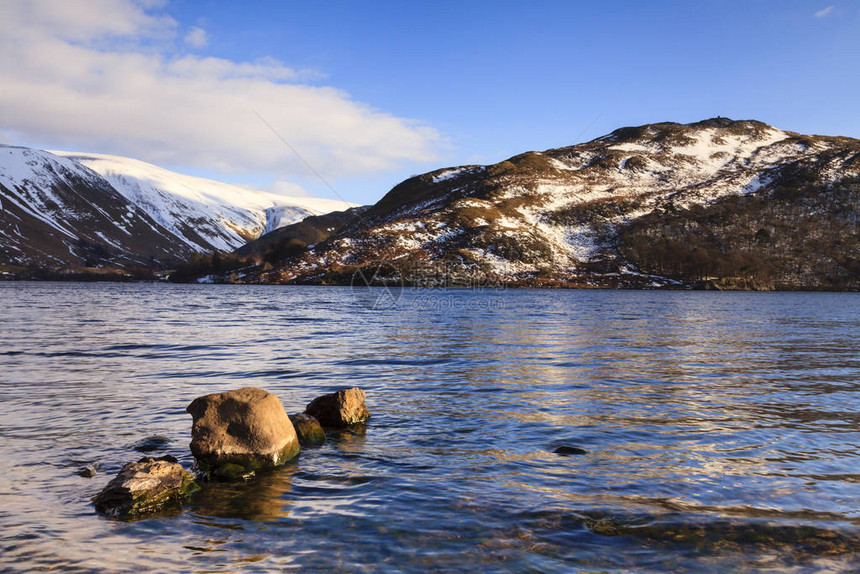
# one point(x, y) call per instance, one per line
point(203, 213)
point(54, 211)
point(717, 203)
point(66, 208)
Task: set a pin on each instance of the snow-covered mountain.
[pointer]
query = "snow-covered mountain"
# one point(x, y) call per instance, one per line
point(203, 213)
point(653, 205)
point(60, 208)
point(55, 212)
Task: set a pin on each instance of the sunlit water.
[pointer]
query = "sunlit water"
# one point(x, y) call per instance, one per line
point(720, 429)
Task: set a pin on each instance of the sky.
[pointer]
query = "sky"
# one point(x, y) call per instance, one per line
point(347, 99)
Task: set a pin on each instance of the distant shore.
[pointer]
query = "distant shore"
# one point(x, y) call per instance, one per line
point(103, 275)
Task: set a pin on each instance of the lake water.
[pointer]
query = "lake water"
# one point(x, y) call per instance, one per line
point(721, 430)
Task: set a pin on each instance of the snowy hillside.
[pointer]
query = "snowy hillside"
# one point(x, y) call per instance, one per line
point(66, 208)
point(54, 211)
point(203, 213)
point(31, 177)
point(597, 213)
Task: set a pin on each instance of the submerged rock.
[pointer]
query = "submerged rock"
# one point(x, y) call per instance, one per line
point(145, 486)
point(88, 470)
point(151, 443)
point(339, 409)
point(567, 450)
point(247, 428)
point(308, 429)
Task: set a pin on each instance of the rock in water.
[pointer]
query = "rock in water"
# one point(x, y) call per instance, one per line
point(145, 486)
point(151, 443)
point(309, 429)
point(89, 470)
point(566, 450)
point(247, 427)
point(339, 409)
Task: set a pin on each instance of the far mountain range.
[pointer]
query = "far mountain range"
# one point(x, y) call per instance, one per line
point(717, 204)
point(61, 209)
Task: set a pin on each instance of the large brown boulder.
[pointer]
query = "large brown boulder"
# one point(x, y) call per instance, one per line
point(339, 409)
point(309, 429)
point(145, 486)
point(245, 428)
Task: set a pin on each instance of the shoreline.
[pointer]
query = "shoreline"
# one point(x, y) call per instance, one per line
point(518, 286)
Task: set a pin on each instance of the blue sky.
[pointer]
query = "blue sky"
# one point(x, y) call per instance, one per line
point(421, 86)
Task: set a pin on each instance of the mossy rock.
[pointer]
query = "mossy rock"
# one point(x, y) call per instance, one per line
point(308, 429)
point(145, 487)
point(244, 466)
point(233, 472)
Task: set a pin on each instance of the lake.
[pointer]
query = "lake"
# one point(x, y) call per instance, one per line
point(720, 431)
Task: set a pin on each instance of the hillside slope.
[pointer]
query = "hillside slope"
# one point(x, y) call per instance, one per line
point(721, 203)
point(203, 213)
point(63, 208)
point(54, 211)
point(275, 245)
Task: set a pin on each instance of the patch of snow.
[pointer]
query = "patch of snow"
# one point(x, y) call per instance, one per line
point(472, 202)
point(457, 171)
point(499, 265)
point(448, 174)
point(706, 150)
point(505, 222)
point(629, 146)
point(448, 235)
point(108, 241)
point(755, 184)
point(413, 210)
point(405, 226)
point(574, 162)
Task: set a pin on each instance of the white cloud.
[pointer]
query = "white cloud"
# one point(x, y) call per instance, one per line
point(82, 20)
point(824, 12)
point(104, 76)
point(283, 188)
point(196, 37)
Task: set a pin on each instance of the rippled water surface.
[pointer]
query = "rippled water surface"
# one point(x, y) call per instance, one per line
point(720, 430)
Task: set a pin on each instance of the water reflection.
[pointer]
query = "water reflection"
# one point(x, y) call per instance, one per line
point(261, 498)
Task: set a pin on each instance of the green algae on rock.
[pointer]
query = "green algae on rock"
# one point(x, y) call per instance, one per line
point(308, 429)
point(144, 487)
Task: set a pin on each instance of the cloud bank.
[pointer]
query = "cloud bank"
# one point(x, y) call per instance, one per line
point(117, 76)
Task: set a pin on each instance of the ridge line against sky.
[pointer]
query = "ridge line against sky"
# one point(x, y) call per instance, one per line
point(372, 93)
